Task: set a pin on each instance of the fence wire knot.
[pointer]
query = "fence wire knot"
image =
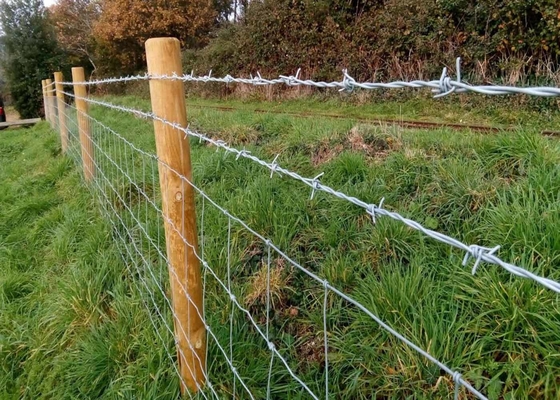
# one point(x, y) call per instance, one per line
point(274, 166)
point(220, 143)
point(271, 346)
point(291, 80)
point(348, 82)
point(315, 184)
point(373, 209)
point(243, 153)
point(477, 252)
point(187, 131)
point(207, 77)
point(457, 379)
point(259, 79)
point(446, 86)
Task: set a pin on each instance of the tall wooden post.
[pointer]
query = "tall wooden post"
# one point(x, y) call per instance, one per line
point(48, 86)
point(80, 91)
point(168, 102)
point(58, 78)
point(45, 104)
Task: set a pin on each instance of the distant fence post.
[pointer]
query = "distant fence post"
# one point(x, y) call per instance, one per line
point(163, 56)
point(45, 105)
point(86, 143)
point(58, 78)
point(50, 118)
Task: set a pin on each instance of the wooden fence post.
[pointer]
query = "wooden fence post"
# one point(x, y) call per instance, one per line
point(163, 56)
point(86, 143)
point(45, 105)
point(50, 114)
point(58, 78)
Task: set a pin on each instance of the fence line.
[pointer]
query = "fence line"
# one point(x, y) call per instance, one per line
point(477, 252)
point(124, 181)
point(444, 86)
point(106, 202)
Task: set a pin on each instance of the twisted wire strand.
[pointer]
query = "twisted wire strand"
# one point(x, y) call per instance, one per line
point(441, 87)
point(477, 252)
point(224, 285)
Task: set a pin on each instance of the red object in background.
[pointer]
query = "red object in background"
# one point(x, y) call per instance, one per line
point(2, 112)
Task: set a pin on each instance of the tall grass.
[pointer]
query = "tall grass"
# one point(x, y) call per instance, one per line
point(75, 325)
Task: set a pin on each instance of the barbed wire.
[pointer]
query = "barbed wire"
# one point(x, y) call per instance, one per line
point(477, 252)
point(457, 378)
point(444, 86)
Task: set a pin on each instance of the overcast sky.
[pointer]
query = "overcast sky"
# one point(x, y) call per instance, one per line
point(49, 2)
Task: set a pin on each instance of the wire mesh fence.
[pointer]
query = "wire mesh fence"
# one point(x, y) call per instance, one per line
point(254, 348)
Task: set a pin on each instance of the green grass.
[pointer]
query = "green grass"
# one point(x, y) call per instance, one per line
point(76, 316)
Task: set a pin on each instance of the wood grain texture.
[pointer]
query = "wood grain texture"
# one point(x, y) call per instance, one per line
point(58, 78)
point(168, 102)
point(88, 155)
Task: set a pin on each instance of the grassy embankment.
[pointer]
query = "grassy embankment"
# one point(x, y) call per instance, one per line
point(73, 322)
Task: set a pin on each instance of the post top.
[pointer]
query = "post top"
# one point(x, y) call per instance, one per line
point(161, 40)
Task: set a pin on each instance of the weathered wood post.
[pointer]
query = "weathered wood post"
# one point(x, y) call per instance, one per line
point(58, 78)
point(48, 86)
point(86, 143)
point(168, 102)
point(45, 105)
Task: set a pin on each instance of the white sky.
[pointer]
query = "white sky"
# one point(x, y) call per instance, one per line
point(49, 2)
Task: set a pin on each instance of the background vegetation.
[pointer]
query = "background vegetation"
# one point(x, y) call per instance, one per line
point(29, 52)
point(498, 40)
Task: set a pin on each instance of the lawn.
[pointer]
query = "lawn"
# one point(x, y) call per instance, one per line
point(83, 293)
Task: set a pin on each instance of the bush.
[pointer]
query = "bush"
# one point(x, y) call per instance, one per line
point(391, 39)
point(30, 53)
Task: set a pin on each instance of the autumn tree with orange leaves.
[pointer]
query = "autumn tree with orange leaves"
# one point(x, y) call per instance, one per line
point(125, 25)
point(74, 22)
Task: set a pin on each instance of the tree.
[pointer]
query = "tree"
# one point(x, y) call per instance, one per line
point(30, 52)
point(125, 25)
point(224, 9)
point(74, 22)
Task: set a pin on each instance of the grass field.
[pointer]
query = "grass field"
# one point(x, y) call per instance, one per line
point(74, 320)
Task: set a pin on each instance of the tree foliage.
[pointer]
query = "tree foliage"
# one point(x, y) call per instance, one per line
point(30, 52)
point(74, 22)
point(374, 39)
point(382, 39)
point(125, 25)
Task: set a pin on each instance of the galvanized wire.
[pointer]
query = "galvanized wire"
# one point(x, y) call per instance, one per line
point(477, 252)
point(443, 86)
point(226, 285)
